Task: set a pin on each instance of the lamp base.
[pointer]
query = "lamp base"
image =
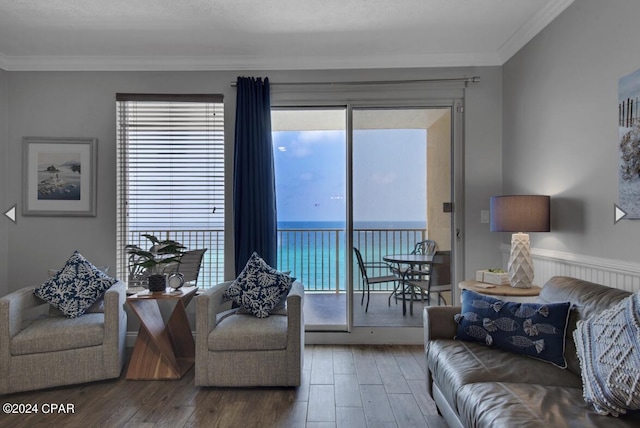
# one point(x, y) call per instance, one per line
point(520, 265)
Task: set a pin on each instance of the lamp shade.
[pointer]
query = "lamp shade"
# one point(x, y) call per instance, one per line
point(520, 213)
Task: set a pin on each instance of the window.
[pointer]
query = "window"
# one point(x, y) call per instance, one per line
point(170, 179)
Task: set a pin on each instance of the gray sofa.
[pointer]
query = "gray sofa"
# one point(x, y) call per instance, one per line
point(236, 349)
point(479, 386)
point(41, 348)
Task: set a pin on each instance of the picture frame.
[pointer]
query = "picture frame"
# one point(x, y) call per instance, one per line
point(629, 145)
point(59, 176)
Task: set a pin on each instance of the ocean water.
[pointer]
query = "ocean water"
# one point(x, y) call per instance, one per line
point(64, 185)
point(315, 252)
point(356, 225)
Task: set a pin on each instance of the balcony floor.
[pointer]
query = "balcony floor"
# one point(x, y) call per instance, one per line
point(329, 310)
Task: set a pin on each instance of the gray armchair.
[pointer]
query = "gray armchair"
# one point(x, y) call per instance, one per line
point(234, 349)
point(39, 349)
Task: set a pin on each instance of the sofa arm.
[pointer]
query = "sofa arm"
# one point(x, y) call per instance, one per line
point(439, 323)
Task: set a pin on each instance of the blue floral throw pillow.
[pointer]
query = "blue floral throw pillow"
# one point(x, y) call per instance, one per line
point(533, 329)
point(75, 287)
point(259, 287)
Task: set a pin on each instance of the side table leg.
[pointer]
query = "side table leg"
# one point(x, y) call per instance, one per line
point(180, 334)
point(153, 356)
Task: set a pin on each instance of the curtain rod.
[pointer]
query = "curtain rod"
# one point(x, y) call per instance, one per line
point(464, 80)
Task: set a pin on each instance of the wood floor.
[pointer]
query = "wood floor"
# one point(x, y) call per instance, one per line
point(343, 386)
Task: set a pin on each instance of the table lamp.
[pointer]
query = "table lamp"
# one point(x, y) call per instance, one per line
point(520, 213)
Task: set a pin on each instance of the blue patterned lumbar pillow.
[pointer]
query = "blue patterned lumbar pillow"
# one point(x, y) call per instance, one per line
point(75, 287)
point(608, 346)
point(259, 287)
point(536, 330)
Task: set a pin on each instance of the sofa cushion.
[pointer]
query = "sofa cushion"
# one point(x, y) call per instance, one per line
point(524, 405)
point(587, 298)
point(536, 330)
point(259, 288)
point(608, 346)
point(455, 363)
point(76, 287)
point(244, 332)
point(50, 334)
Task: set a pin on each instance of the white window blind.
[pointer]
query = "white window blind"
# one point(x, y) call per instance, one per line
point(171, 175)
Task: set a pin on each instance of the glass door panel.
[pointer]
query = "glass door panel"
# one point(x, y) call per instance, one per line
point(310, 162)
point(401, 176)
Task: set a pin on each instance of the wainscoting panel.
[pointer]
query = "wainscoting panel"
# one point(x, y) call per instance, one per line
point(613, 273)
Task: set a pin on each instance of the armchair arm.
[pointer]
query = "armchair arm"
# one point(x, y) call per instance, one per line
point(295, 314)
point(114, 313)
point(295, 333)
point(210, 303)
point(114, 300)
point(12, 310)
point(115, 327)
point(13, 307)
point(379, 267)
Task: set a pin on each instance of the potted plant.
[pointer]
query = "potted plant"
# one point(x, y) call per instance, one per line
point(154, 260)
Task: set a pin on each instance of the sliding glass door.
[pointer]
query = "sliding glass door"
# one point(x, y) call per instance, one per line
point(373, 179)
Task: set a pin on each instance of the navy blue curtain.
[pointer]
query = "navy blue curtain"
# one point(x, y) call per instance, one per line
point(254, 189)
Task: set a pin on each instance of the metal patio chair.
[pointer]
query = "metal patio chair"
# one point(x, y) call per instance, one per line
point(367, 281)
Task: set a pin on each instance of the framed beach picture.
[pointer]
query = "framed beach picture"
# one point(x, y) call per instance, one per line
point(59, 176)
point(629, 144)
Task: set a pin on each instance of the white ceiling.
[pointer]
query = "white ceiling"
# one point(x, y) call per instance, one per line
point(265, 34)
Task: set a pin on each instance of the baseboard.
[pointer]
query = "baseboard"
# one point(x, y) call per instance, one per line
point(367, 336)
point(359, 336)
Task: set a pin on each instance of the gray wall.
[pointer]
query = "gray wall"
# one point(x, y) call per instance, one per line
point(78, 104)
point(82, 104)
point(4, 202)
point(482, 170)
point(560, 130)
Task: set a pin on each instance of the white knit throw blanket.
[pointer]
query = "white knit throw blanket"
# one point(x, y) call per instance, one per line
point(608, 347)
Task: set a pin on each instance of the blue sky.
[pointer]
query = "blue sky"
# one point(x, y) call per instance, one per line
point(629, 86)
point(389, 175)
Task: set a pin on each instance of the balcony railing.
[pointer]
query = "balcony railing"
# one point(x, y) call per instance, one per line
point(316, 257)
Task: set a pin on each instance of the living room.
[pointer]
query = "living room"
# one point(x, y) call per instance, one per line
point(543, 122)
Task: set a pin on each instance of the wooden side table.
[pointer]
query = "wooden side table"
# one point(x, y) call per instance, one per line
point(504, 292)
point(161, 351)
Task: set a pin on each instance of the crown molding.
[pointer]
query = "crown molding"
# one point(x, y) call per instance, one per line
point(226, 63)
point(531, 28)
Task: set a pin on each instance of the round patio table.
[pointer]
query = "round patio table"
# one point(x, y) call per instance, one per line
point(412, 261)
